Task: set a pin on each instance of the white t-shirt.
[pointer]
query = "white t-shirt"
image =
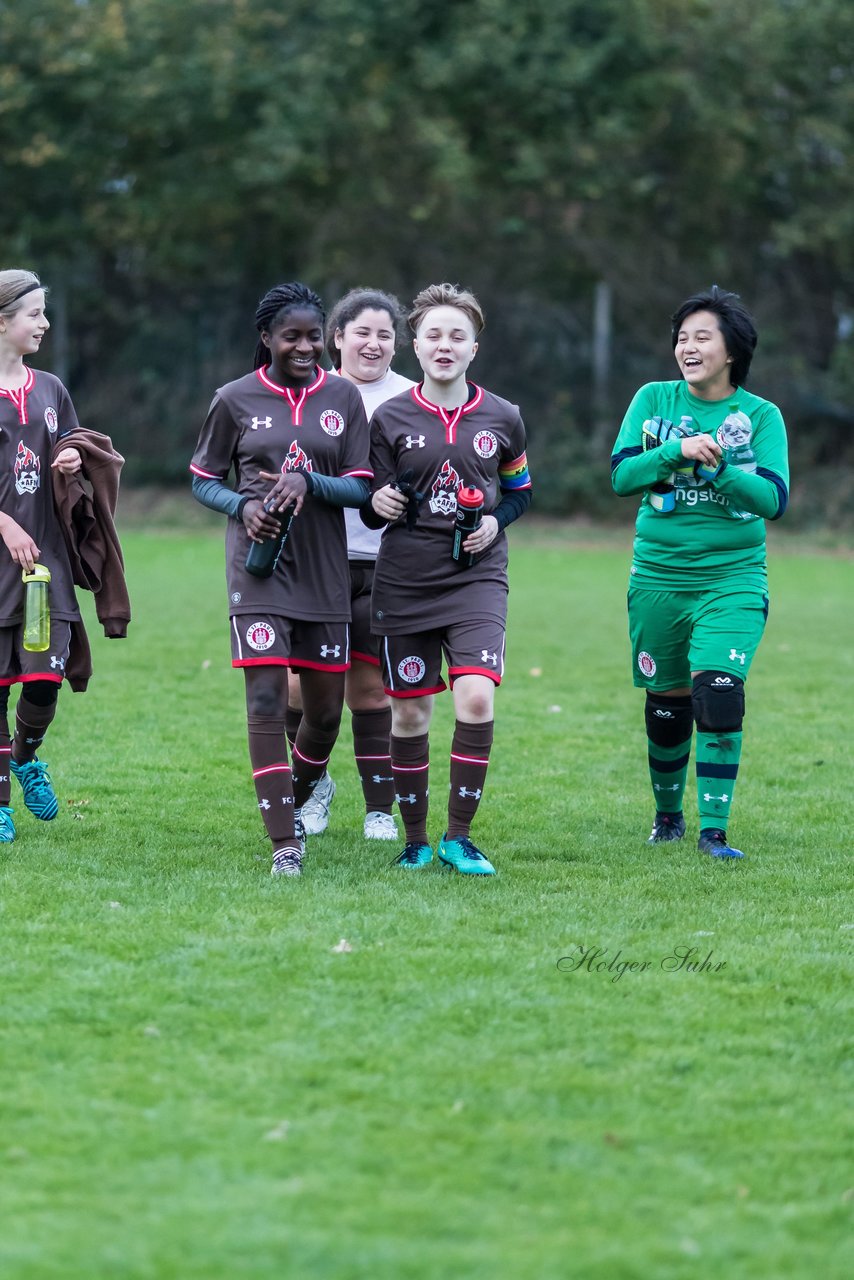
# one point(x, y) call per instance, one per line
point(364, 543)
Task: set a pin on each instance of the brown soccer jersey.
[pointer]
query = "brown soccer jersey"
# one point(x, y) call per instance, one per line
point(32, 419)
point(255, 425)
point(417, 585)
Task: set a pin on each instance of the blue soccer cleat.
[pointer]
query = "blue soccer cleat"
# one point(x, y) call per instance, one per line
point(39, 795)
point(464, 857)
point(7, 826)
point(713, 841)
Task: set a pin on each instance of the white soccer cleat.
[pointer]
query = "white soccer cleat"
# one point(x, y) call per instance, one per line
point(315, 811)
point(380, 826)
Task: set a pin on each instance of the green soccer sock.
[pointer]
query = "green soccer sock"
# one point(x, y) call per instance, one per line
point(668, 773)
point(718, 755)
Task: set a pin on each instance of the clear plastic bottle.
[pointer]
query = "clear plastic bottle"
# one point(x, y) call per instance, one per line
point(36, 609)
point(735, 438)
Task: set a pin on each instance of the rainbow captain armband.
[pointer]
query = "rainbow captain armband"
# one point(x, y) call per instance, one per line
point(514, 475)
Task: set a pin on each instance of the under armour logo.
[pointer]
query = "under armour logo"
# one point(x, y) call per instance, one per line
point(708, 797)
point(722, 682)
point(57, 662)
point(656, 786)
point(486, 656)
point(261, 422)
point(330, 650)
point(664, 715)
point(377, 777)
point(263, 804)
point(406, 799)
point(733, 655)
point(475, 795)
point(415, 442)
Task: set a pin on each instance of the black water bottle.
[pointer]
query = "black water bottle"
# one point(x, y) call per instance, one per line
point(469, 516)
point(262, 557)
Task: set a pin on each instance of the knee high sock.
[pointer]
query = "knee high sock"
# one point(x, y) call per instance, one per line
point(469, 761)
point(718, 755)
point(293, 719)
point(311, 753)
point(410, 765)
point(371, 732)
point(272, 776)
point(31, 725)
point(669, 727)
point(5, 751)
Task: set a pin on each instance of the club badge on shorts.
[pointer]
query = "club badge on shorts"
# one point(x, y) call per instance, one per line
point(646, 664)
point(411, 669)
point(260, 636)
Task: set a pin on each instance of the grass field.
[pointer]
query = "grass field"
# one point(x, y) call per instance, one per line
point(198, 1081)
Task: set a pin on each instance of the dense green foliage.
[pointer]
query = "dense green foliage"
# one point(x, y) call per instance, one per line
point(162, 164)
point(200, 1083)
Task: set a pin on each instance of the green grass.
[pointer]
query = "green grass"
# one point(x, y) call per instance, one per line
point(196, 1083)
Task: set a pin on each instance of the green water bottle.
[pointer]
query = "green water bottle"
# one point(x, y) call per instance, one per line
point(36, 609)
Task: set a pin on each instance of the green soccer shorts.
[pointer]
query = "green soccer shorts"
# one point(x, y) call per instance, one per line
point(673, 633)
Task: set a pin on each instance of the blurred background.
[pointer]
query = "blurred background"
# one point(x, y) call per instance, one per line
point(583, 165)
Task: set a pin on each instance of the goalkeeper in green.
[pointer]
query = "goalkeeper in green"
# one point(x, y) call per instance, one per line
point(709, 460)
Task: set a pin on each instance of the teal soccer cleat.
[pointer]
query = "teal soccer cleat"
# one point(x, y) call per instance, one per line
point(464, 857)
point(7, 826)
point(39, 795)
point(414, 855)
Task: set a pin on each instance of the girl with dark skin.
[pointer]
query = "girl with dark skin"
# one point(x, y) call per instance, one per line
point(295, 438)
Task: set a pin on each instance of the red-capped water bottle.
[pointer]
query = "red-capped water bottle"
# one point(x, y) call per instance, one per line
point(469, 516)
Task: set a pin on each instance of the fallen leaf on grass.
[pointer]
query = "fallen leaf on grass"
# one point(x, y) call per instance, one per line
point(279, 1133)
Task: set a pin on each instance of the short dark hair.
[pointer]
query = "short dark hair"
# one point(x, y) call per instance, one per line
point(276, 303)
point(736, 325)
point(351, 306)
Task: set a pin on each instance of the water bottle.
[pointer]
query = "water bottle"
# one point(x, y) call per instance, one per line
point(469, 516)
point(734, 436)
point(36, 609)
point(262, 557)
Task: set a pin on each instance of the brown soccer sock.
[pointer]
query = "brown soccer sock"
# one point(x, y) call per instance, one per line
point(5, 751)
point(312, 750)
point(293, 720)
point(272, 776)
point(371, 732)
point(31, 725)
point(410, 765)
point(469, 761)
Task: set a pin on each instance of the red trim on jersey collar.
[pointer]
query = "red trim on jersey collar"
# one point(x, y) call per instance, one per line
point(18, 396)
point(450, 419)
point(287, 393)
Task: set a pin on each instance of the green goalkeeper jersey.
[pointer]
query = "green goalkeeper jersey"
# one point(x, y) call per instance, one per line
point(717, 527)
